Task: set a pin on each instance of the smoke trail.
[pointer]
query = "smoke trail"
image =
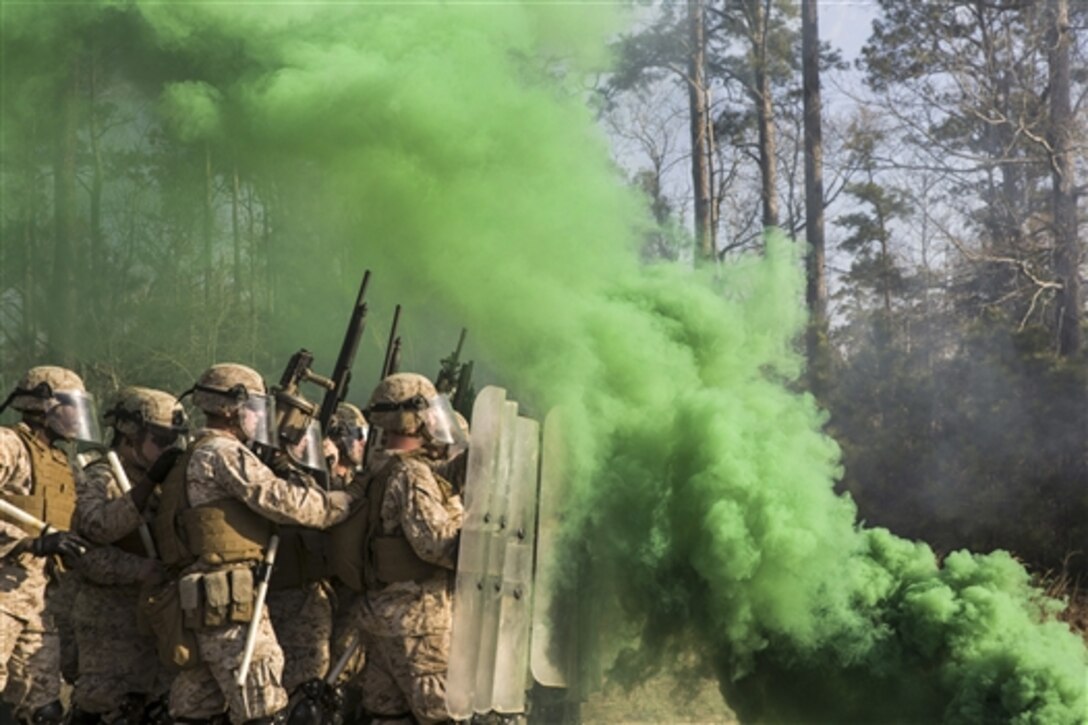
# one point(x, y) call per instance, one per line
point(444, 147)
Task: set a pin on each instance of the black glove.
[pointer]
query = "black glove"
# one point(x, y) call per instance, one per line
point(59, 543)
point(161, 467)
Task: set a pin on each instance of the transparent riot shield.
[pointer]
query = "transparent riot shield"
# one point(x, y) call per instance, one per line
point(489, 653)
point(554, 632)
point(515, 600)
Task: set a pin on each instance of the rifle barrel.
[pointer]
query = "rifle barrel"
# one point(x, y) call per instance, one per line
point(392, 345)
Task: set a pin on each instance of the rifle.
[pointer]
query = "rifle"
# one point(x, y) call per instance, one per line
point(294, 412)
point(465, 395)
point(392, 347)
point(449, 372)
point(341, 374)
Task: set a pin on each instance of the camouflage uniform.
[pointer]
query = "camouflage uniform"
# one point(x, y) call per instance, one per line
point(299, 598)
point(407, 623)
point(29, 643)
point(116, 660)
point(222, 468)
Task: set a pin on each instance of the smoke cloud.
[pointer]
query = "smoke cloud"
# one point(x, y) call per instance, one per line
point(448, 148)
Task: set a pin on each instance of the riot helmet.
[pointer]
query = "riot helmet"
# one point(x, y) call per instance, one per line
point(408, 404)
point(238, 393)
point(348, 431)
point(57, 399)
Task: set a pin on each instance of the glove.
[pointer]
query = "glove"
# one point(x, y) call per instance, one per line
point(357, 488)
point(161, 467)
point(59, 543)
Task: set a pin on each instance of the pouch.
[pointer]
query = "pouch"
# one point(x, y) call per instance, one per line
point(160, 608)
point(189, 600)
point(216, 598)
point(241, 595)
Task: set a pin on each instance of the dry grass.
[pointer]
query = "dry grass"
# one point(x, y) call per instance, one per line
point(1067, 587)
point(664, 699)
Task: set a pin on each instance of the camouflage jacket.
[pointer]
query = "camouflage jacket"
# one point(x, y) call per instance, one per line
point(422, 509)
point(223, 467)
point(104, 515)
point(22, 576)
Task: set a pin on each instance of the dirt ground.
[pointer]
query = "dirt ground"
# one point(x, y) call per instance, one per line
point(661, 700)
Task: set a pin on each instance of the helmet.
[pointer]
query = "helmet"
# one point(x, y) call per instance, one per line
point(224, 387)
point(138, 409)
point(348, 421)
point(235, 391)
point(348, 430)
point(34, 393)
point(58, 394)
point(408, 404)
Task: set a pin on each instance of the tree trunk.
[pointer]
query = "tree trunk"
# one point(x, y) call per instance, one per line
point(819, 364)
point(700, 132)
point(1067, 253)
point(97, 251)
point(236, 234)
point(63, 293)
point(208, 223)
point(764, 115)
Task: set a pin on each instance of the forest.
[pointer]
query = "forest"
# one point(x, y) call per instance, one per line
point(941, 196)
point(595, 192)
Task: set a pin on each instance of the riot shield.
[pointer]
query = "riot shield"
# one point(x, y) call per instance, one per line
point(489, 653)
point(554, 631)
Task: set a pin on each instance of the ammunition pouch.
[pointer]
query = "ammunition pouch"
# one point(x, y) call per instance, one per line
point(216, 599)
point(396, 561)
point(160, 613)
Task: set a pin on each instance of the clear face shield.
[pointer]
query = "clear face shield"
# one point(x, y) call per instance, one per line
point(308, 452)
point(257, 419)
point(74, 417)
point(351, 442)
point(442, 427)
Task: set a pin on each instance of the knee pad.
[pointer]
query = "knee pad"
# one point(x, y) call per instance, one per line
point(51, 714)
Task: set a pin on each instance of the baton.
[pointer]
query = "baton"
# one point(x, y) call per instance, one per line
point(264, 573)
point(126, 486)
point(342, 663)
point(14, 512)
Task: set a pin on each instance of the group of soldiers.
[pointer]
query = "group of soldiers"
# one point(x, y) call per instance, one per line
point(141, 583)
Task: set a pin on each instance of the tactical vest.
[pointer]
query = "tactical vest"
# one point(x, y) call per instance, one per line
point(131, 542)
point(366, 559)
point(52, 496)
point(219, 532)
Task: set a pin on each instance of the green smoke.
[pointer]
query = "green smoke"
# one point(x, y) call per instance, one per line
point(448, 148)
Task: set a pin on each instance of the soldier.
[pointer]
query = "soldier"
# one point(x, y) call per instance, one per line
point(35, 476)
point(345, 442)
point(219, 503)
point(414, 523)
point(119, 672)
point(300, 596)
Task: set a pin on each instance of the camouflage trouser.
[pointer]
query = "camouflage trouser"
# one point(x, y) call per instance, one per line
point(61, 596)
point(29, 663)
point(405, 674)
point(209, 689)
point(302, 619)
point(115, 659)
point(346, 632)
